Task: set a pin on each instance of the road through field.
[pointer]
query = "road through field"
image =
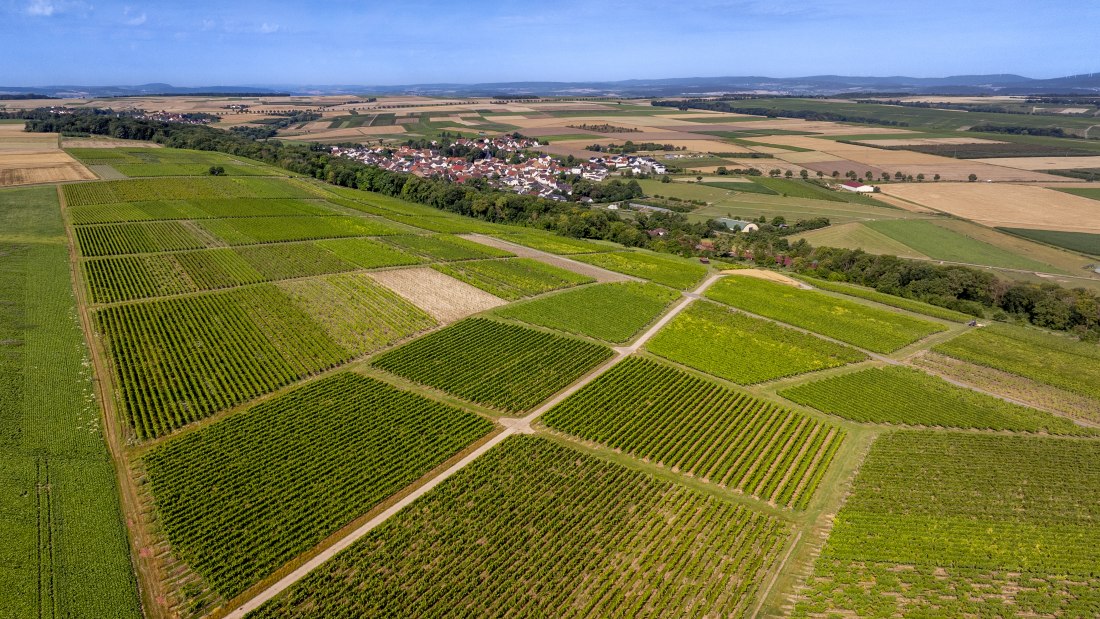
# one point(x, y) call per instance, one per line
point(511, 426)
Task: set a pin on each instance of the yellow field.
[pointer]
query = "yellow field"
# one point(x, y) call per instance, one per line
point(30, 158)
point(1008, 205)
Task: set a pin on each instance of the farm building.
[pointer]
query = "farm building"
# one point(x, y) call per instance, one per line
point(857, 187)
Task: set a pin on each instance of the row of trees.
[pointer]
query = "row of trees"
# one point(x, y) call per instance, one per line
point(731, 106)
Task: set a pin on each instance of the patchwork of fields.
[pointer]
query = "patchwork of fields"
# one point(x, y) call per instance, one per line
point(316, 400)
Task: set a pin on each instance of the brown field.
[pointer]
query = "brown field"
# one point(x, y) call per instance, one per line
point(771, 276)
point(1043, 163)
point(105, 142)
point(30, 158)
point(764, 165)
point(1008, 205)
point(444, 298)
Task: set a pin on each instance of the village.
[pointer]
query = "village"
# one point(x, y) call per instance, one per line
point(524, 173)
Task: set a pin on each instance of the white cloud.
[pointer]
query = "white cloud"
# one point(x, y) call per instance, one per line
point(133, 19)
point(266, 28)
point(41, 8)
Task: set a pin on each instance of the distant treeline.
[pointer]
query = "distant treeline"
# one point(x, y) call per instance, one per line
point(957, 287)
point(24, 97)
point(1050, 132)
point(204, 94)
point(929, 105)
point(730, 106)
point(630, 147)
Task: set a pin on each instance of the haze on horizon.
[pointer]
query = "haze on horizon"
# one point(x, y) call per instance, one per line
point(51, 42)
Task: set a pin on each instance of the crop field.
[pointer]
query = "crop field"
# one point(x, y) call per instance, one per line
point(443, 297)
point(512, 278)
point(714, 339)
point(368, 254)
point(1082, 242)
point(135, 277)
point(492, 363)
point(181, 359)
point(287, 260)
point(957, 524)
point(567, 535)
point(694, 426)
point(613, 312)
point(136, 238)
point(149, 189)
point(554, 244)
point(239, 498)
point(856, 235)
point(445, 248)
point(667, 270)
point(253, 230)
point(904, 396)
point(358, 313)
point(743, 187)
point(1041, 357)
point(135, 162)
point(940, 243)
point(803, 189)
point(64, 549)
point(860, 325)
point(195, 209)
point(911, 305)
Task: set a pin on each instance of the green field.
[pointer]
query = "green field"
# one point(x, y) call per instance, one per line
point(137, 162)
point(253, 230)
point(917, 307)
point(856, 235)
point(804, 189)
point(952, 524)
point(368, 254)
point(860, 325)
point(742, 187)
point(136, 238)
point(287, 260)
point(442, 248)
point(716, 340)
point(903, 396)
point(555, 244)
point(693, 426)
point(680, 273)
point(512, 278)
point(1082, 242)
point(534, 529)
point(610, 312)
point(154, 189)
point(242, 497)
point(1084, 192)
point(939, 243)
point(1043, 357)
point(195, 209)
point(492, 363)
point(64, 551)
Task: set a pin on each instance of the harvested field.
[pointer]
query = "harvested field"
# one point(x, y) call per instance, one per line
point(445, 298)
point(1009, 206)
point(771, 276)
point(928, 141)
point(1044, 163)
point(30, 158)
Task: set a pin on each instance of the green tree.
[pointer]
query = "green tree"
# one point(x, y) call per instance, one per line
point(972, 178)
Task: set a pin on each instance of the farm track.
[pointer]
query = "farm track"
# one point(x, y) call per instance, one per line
point(600, 274)
point(511, 426)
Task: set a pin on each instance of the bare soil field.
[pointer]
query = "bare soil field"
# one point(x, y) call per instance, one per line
point(444, 298)
point(1012, 206)
point(1044, 163)
point(30, 158)
point(771, 276)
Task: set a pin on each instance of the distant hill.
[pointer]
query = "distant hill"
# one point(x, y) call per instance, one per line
point(1001, 84)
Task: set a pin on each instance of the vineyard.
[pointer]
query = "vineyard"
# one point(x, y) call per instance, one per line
point(136, 238)
point(500, 365)
point(242, 497)
point(194, 209)
point(697, 427)
point(870, 328)
point(610, 312)
point(934, 512)
point(445, 248)
point(728, 344)
point(358, 314)
point(554, 244)
point(252, 230)
point(368, 254)
point(904, 396)
point(287, 260)
point(512, 278)
point(190, 188)
point(670, 271)
point(179, 360)
point(535, 529)
point(870, 294)
point(64, 550)
point(1041, 357)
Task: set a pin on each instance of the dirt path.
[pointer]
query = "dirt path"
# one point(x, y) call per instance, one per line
point(595, 272)
point(512, 426)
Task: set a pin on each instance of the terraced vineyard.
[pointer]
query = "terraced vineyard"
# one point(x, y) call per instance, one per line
point(871, 328)
point(610, 312)
point(1048, 359)
point(241, 497)
point(667, 270)
point(904, 396)
point(958, 524)
point(692, 425)
point(536, 529)
point(714, 339)
point(513, 278)
point(501, 365)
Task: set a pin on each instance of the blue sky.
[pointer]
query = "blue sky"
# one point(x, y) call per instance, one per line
point(246, 42)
